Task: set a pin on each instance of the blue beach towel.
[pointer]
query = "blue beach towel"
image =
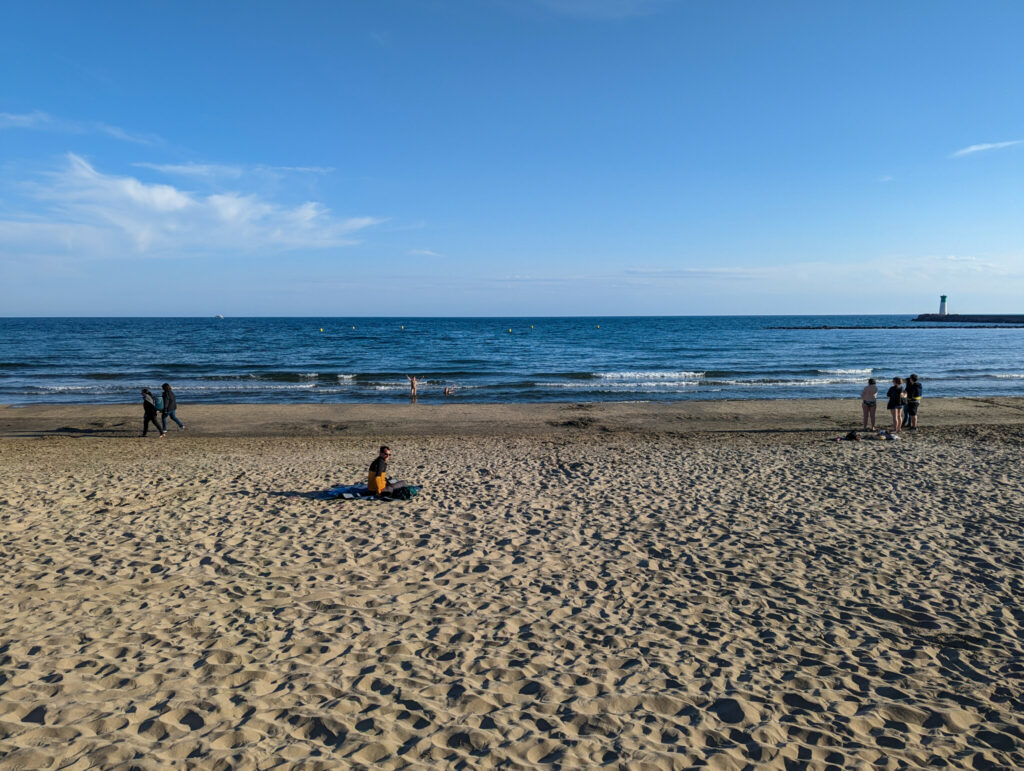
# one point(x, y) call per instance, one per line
point(358, 492)
point(349, 492)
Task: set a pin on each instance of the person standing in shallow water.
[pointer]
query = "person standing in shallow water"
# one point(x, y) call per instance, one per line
point(149, 413)
point(170, 405)
point(413, 382)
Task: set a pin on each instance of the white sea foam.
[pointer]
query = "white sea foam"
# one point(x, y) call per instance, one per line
point(663, 385)
point(682, 375)
point(863, 371)
point(814, 381)
point(1010, 376)
point(246, 388)
point(58, 389)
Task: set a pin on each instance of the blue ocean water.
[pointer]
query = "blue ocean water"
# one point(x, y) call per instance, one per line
point(95, 360)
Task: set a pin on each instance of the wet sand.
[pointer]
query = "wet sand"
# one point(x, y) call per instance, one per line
point(577, 586)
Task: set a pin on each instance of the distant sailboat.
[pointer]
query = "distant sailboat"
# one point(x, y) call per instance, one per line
point(218, 316)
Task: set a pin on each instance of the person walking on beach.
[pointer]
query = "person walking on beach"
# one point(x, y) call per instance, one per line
point(914, 390)
point(170, 405)
point(895, 405)
point(869, 402)
point(149, 413)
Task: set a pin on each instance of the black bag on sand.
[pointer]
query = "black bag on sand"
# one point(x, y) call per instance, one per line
point(403, 493)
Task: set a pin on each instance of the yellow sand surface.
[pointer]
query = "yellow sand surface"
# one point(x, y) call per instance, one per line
point(584, 586)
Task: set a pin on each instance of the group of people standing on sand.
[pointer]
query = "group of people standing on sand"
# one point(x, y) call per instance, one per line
point(904, 399)
point(166, 404)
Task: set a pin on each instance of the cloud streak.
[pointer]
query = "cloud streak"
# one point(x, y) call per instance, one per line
point(733, 273)
point(220, 170)
point(971, 150)
point(88, 213)
point(776, 278)
point(30, 120)
point(41, 121)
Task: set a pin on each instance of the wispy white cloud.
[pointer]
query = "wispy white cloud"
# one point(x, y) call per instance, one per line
point(124, 136)
point(85, 212)
point(780, 278)
point(301, 169)
point(984, 147)
point(422, 253)
point(639, 276)
point(41, 121)
point(30, 120)
point(728, 273)
point(221, 170)
point(205, 170)
point(955, 262)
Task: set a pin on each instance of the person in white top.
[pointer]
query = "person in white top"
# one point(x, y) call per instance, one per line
point(868, 402)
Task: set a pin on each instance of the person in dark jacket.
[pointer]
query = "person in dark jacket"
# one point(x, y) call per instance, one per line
point(906, 396)
point(170, 405)
point(149, 413)
point(895, 405)
point(914, 391)
point(377, 481)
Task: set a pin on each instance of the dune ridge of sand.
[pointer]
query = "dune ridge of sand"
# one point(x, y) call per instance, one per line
point(766, 599)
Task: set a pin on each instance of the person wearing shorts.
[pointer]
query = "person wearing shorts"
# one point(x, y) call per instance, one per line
point(895, 405)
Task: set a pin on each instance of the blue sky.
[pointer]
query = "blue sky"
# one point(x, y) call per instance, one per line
point(510, 157)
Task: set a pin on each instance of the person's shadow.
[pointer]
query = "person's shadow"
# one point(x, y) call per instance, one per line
point(101, 430)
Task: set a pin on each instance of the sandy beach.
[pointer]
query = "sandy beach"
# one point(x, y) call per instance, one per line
point(614, 585)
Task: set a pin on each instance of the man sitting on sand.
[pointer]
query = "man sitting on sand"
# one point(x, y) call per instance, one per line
point(377, 481)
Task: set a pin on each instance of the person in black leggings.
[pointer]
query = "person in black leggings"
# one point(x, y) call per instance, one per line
point(149, 413)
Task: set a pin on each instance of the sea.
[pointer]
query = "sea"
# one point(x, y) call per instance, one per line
point(579, 359)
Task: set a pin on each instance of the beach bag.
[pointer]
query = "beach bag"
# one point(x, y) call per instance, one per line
point(403, 493)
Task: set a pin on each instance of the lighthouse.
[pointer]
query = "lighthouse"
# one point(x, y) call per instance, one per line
point(942, 305)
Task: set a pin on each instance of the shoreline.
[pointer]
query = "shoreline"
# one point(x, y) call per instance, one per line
point(270, 420)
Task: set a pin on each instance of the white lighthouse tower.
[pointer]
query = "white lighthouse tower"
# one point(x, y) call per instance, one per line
point(942, 305)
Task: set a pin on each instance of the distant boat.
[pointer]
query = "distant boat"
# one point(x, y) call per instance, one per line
point(218, 316)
